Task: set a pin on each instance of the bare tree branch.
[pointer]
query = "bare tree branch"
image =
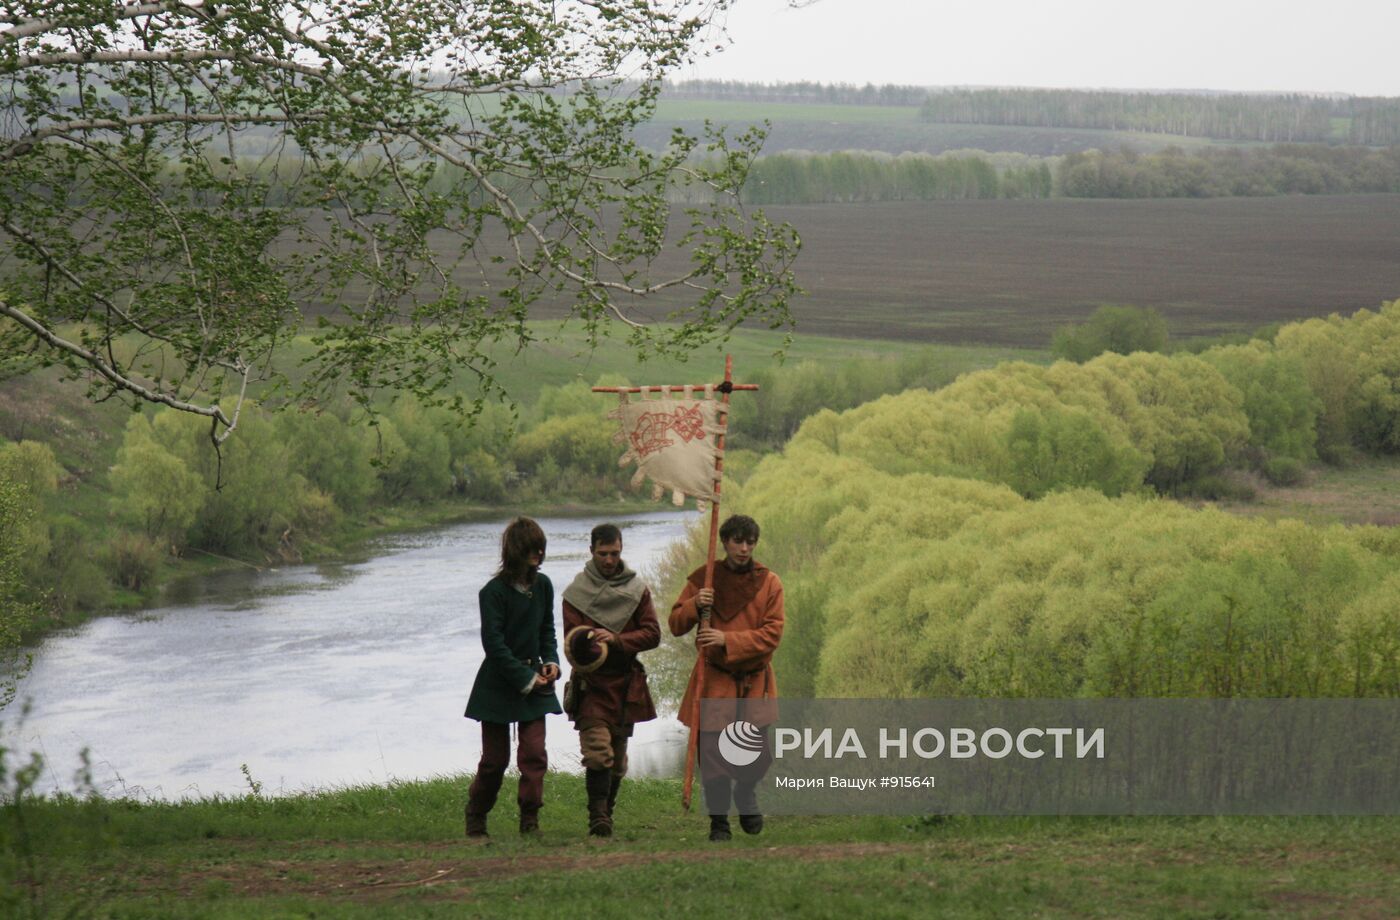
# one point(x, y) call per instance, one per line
point(32, 27)
point(99, 364)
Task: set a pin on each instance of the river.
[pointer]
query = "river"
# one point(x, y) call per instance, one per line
point(315, 677)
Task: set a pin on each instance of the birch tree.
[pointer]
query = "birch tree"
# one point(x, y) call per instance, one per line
point(180, 179)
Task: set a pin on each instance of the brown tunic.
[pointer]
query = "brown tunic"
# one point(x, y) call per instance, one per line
point(749, 611)
point(616, 694)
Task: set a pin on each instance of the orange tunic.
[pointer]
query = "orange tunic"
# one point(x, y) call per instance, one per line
point(749, 611)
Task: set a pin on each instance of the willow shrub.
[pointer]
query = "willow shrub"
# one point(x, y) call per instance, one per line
point(1111, 424)
point(261, 504)
point(920, 585)
point(1352, 365)
point(1278, 401)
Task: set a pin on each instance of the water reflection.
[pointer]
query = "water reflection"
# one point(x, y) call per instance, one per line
point(313, 676)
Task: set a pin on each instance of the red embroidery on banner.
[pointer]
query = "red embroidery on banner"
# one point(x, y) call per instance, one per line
point(649, 434)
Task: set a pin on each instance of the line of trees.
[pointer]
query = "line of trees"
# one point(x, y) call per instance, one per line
point(862, 176)
point(801, 177)
point(1232, 116)
point(295, 482)
point(1285, 169)
point(798, 178)
point(801, 92)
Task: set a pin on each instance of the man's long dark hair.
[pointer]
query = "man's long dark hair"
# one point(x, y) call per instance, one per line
point(522, 537)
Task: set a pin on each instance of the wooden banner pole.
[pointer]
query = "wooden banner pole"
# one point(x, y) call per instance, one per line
point(693, 743)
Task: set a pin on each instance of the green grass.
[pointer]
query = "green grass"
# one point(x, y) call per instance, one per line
point(397, 851)
point(564, 357)
point(894, 129)
point(1366, 491)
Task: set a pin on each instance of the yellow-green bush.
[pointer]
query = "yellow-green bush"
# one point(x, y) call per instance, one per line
point(153, 490)
point(1110, 424)
point(261, 503)
point(1278, 401)
point(1352, 365)
point(583, 442)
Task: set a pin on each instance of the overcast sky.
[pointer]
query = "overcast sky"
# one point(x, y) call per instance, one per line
point(1345, 46)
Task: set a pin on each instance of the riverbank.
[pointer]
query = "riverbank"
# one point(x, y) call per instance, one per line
point(397, 851)
point(352, 543)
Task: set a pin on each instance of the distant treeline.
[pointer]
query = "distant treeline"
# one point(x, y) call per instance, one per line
point(799, 178)
point(807, 178)
point(1372, 121)
point(1286, 169)
point(803, 92)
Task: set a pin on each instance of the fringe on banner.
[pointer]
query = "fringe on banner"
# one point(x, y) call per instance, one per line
point(670, 434)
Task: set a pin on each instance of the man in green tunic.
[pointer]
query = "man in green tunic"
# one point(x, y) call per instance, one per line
point(516, 681)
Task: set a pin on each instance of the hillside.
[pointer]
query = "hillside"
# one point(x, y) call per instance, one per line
point(891, 129)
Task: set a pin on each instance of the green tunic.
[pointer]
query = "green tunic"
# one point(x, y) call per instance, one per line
point(516, 630)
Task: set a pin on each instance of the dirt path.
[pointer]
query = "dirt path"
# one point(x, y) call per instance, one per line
point(449, 877)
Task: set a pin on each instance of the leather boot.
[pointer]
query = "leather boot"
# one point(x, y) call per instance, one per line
point(615, 785)
point(529, 821)
point(746, 801)
point(481, 798)
point(476, 824)
point(597, 782)
point(719, 828)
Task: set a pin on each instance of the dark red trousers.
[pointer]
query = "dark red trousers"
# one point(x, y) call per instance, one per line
point(530, 757)
point(724, 782)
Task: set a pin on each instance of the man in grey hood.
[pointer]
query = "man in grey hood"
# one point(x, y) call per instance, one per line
point(608, 620)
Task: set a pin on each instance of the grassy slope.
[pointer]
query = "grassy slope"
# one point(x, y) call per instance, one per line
point(398, 852)
point(566, 359)
point(893, 129)
point(1365, 492)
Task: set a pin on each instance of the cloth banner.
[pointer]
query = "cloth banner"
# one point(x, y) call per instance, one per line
point(672, 441)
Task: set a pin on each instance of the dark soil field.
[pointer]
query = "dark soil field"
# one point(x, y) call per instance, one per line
point(1008, 272)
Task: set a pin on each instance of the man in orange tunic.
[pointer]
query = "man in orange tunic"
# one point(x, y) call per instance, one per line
point(745, 627)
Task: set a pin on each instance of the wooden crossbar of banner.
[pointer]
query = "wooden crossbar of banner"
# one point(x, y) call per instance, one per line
point(725, 388)
point(699, 386)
